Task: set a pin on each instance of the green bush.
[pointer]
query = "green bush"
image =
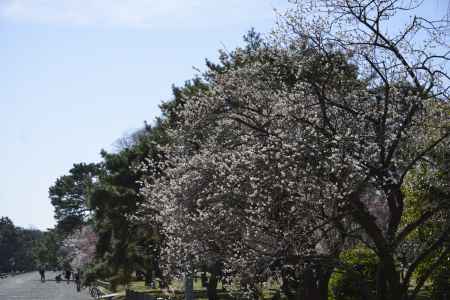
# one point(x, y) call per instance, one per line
point(441, 282)
point(355, 279)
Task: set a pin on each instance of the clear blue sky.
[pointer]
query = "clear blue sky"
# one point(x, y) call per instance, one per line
point(76, 75)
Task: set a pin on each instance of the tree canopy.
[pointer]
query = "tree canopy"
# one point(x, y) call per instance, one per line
point(17, 247)
point(289, 158)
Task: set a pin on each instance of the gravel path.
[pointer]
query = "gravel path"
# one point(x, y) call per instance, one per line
point(29, 287)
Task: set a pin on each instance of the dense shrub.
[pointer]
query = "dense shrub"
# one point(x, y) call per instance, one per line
point(441, 282)
point(355, 278)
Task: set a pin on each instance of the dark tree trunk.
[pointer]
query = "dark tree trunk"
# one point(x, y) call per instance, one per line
point(292, 289)
point(163, 282)
point(189, 286)
point(316, 285)
point(204, 280)
point(323, 285)
point(148, 278)
point(388, 280)
point(211, 288)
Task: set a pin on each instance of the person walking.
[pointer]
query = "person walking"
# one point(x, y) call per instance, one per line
point(67, 274)
point(42, 273)
point(77, 278)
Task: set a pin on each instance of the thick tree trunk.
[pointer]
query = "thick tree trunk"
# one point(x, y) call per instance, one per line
point(163, 282)
point(316, 287)
point(312, 284)
point(189, 287)
point(323, 286)
point(388, 280)
point(292, 289)
point(211, 288)
point(148, 278)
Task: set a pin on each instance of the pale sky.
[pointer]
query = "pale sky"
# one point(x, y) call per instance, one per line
point(76, 75)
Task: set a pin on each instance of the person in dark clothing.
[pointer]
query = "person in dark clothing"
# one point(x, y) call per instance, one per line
point(77, 278)
point(42, 273)
point(67, 274)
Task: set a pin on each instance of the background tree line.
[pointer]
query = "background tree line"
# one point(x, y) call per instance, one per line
point(17, 247)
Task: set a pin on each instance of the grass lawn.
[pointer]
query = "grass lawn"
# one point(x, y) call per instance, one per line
point(176, 290)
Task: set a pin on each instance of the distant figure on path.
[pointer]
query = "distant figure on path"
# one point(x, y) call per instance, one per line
point(67, 275)
point(77, 276)
point(42, 273)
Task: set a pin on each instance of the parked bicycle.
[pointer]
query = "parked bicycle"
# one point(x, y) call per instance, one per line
point(95, 292)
